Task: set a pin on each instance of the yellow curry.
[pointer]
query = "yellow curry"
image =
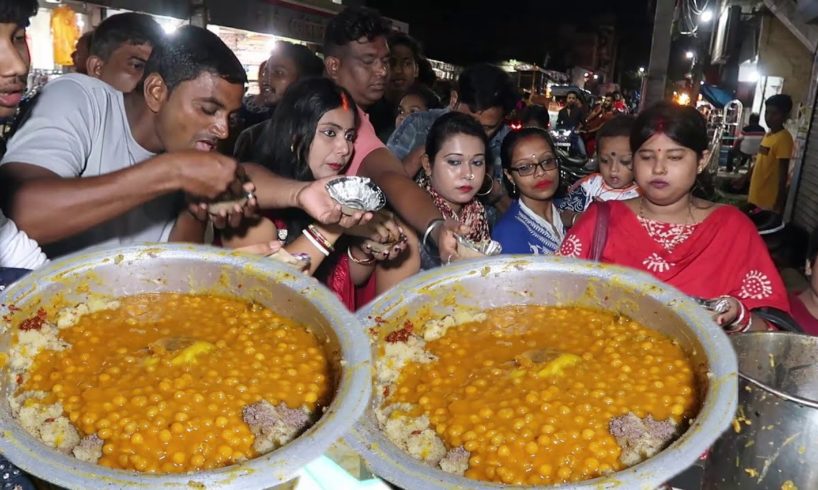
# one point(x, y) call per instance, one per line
point(163, 378)
point(530, 391)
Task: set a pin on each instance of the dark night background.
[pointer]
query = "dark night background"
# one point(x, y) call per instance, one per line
point(494, 30)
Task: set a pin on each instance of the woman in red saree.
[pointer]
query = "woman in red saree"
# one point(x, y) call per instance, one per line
point(311, 137)
point(704, 249)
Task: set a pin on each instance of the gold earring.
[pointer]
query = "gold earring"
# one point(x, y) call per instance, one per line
point(490, 181)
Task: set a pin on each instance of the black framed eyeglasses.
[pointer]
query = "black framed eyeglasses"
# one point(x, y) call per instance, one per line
point(529, 168)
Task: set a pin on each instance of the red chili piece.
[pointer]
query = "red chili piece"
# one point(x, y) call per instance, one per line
point(401, 335)
point(34, 323)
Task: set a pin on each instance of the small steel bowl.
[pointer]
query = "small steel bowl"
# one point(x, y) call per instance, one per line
point(469, 249)
point(356, 194)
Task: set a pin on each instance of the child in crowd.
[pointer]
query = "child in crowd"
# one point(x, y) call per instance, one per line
point(614, 182)
point(455, 161)
point(768, 181)
point(310, 137)
point(418, 98)
point(532, 224)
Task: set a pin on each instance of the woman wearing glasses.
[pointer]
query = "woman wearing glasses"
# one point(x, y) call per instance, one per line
point(532, 224)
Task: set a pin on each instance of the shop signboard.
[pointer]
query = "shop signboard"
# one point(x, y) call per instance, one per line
point(276, 17)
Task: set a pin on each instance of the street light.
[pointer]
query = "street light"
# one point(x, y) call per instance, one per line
point(689, 55)
point(706, 16)
point(641, 70)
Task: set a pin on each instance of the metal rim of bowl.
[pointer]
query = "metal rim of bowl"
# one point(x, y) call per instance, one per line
point(351, 399)
point(807, 402)
point(718, 408)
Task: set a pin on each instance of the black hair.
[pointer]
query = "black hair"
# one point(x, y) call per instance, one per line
point(484, 86)
point(307, 63)
point(510, 142)
point(618, 126)
point(403, 39)
point(681, 123)
point(351, 25)
point(86, 38)
point(128, 28)
point(782, 102)
point(443, 89)
point(430, 99)
point(292, 127)
point(426, 74)
point(452, 124)
point(288, 136)
point(190, 51)
point(537, 114)
point(755, 118)
point(576, 94)
point(17, 11)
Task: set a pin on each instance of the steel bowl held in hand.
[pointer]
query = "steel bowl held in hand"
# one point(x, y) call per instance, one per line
point(356, 194)
point(469, 249)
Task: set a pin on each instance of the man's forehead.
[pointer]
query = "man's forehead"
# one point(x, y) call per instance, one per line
point(142, 50)
point(376, 45)
point(215, 88)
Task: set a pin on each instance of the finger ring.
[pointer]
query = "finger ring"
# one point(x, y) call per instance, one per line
point(449, 260)
point(250, 195)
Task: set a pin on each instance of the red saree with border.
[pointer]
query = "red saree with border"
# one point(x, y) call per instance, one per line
point(722, 255)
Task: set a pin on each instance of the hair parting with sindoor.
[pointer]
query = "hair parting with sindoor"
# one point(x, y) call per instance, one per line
point(684, 125)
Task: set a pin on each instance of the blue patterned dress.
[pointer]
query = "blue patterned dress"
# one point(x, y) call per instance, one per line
point(522, 231)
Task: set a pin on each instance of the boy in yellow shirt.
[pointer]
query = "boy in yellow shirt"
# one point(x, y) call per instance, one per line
point(769, 175)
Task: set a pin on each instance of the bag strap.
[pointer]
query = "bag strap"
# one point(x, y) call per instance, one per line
point(603, 216)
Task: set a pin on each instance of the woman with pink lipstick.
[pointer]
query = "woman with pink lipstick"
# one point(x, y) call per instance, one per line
point(706, 250)
point(532, 224)
point(311, 137)
point(455, 161)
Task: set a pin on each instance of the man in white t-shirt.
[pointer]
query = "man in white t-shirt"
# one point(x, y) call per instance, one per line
point(16, 249)
point(94, 167)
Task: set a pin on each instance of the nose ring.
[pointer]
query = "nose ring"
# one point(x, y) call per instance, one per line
point(470, 177)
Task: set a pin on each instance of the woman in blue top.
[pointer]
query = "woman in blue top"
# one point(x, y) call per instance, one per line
point(532, 224)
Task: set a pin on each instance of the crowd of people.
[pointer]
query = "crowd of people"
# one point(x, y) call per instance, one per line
point(136, 146)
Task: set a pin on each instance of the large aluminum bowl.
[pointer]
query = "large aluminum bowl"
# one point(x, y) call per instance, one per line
point(185, 268)
point(531, 280)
